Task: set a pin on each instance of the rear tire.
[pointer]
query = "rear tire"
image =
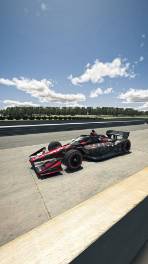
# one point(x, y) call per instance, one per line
point(126, 146)
point(54, 145)
point(73, 160)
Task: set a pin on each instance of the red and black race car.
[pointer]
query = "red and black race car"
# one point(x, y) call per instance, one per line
point(89, 147)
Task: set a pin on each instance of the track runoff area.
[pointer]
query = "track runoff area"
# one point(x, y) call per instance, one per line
point(27, 202)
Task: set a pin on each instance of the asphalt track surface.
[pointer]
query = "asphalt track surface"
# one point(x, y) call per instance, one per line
point(26, 201)
point(44, 138)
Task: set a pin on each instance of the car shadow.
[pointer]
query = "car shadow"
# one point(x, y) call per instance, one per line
point(56, 174)
point(72, 171)
point(108, 158)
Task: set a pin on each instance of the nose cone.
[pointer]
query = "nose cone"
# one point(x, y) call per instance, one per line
point(34, 159)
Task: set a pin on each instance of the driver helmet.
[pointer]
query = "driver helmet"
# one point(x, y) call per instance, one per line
point(93, 133)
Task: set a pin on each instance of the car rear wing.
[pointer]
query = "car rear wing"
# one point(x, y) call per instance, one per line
point(115, 134)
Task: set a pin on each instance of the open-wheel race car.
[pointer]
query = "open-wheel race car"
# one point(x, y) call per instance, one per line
point(85, 147)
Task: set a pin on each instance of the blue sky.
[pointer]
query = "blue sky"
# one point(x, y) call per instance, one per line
point(82, 52)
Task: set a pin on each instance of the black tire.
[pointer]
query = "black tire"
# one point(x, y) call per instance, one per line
point(73, 160)
point(54, 145)
point(126, 146)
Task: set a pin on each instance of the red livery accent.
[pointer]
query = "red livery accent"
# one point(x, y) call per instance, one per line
point(93, 147)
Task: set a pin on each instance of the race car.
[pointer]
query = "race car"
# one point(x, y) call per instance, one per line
point(85, 147)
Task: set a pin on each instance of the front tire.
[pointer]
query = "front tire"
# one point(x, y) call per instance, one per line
point(73, 160)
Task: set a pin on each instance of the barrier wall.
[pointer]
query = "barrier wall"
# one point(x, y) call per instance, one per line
point(32, 128)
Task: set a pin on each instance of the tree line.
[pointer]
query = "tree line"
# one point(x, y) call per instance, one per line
point(32, 113)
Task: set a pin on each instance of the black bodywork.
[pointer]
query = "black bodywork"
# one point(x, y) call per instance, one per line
point(101, 147)
point(89, 147)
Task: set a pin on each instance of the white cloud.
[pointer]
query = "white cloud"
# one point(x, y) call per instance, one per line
point(98, 71)
point(141, 59)
point(134, 96)
point(143, 36)
point(99, 91)
point(41, 89)
point(143, 107)
point(13, 103)
point(96, 93)
point(108, 91)
point(6, 82)
point(43, 6)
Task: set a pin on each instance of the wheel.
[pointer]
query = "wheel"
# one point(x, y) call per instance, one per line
point(126, 146)
point(53, 145)
point(73, 159)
